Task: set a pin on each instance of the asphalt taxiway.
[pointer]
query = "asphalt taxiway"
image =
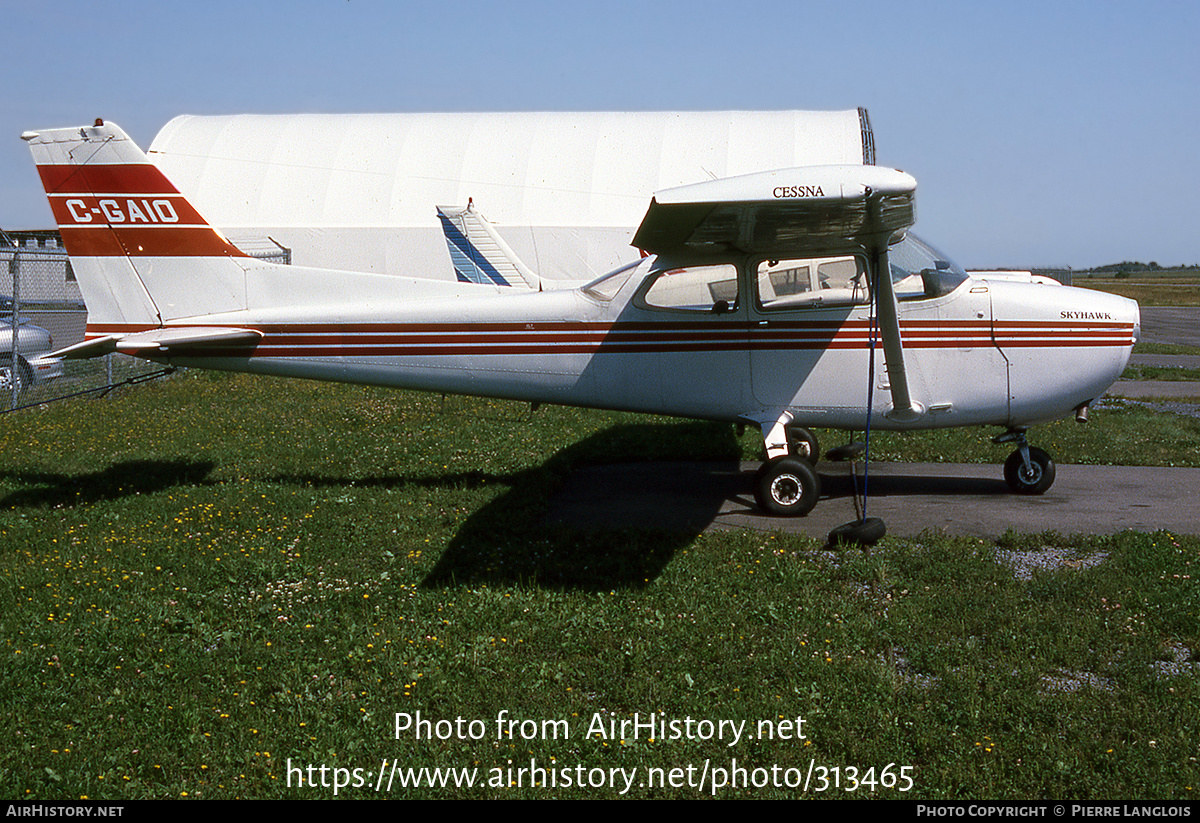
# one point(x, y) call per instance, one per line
point(955, 498)
point(1171, 324)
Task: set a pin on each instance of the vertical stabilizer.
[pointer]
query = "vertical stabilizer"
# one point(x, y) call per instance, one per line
point(141, 253)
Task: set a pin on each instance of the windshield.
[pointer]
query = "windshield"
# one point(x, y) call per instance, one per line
point(919, 270)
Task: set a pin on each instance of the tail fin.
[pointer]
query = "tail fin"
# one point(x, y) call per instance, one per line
point(479, 253)
point(141, 253)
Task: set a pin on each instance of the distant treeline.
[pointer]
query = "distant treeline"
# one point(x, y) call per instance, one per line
point(1128, 267)
point(1122, 269)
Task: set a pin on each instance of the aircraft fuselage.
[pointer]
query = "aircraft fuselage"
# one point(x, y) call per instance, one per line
point(988, 353)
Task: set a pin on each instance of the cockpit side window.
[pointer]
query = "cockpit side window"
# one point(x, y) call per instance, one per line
point(710, 288)
point(811, 282)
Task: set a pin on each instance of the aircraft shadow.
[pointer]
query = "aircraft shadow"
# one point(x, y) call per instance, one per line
point(512, 539)
point(691, 497)
point(117, 481)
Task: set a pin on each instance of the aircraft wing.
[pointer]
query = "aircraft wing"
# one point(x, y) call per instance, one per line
point(826, 207)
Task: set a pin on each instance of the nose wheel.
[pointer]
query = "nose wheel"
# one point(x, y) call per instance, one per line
point(1034, 476)
point(1028, 470)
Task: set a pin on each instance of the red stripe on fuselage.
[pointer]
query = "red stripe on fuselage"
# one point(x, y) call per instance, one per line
point(329, 340)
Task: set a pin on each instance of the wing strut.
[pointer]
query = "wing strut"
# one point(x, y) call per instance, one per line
point(903, 407)
point(884, 311)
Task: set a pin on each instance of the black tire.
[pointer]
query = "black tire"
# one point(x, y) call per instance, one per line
point(802, 444)
point(787, 486)
point(1036, 481)
point(848, 452)
point(865, 532)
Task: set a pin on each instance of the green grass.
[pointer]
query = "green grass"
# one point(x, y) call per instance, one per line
point(205, 578)
point(1148, 293)
point(1164, 348)
point(1169, 373)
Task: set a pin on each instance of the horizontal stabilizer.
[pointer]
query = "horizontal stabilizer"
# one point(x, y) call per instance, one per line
point(781, 211)
point(96, 347)
point(186, 339)
point(479, 253)
point(169, 341)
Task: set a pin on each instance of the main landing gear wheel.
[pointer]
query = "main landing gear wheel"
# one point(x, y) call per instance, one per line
point(787, 486)
point(1035, 478)
point(802, 443)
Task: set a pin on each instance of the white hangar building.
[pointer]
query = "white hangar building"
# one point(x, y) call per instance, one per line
point(564, 190)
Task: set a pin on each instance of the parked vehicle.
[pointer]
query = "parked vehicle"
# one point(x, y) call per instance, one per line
point(30, 366)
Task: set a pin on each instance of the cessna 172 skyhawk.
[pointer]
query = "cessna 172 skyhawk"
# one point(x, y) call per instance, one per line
point(758, 299)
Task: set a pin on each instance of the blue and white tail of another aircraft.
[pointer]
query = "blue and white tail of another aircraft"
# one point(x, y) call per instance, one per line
point(479, 253)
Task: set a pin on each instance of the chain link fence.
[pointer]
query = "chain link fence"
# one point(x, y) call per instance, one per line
point(42, 310)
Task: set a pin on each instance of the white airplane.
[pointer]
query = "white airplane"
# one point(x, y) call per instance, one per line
point(786, 299)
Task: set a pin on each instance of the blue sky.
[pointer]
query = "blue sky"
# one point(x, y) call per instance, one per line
point(1047, 133)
